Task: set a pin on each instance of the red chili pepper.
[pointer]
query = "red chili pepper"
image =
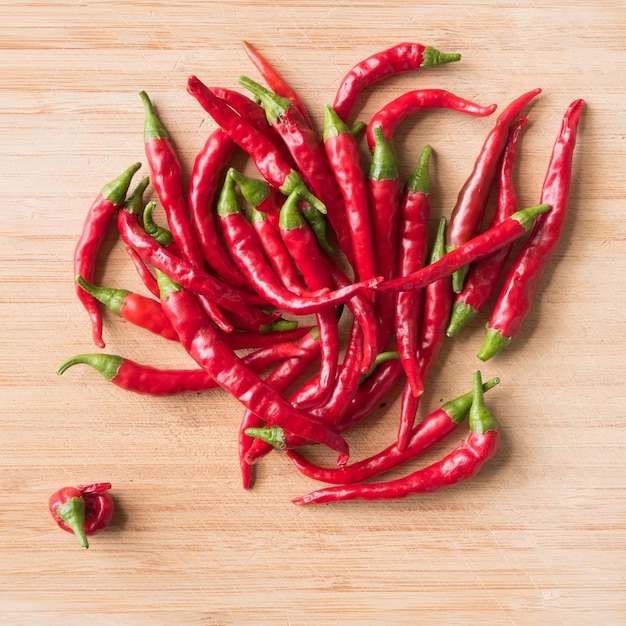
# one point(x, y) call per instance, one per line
point(480, 246)
point(435, 427)
point(205, 346)
point(138, 378)
point(412, 248)
point(400, 58)
point(413, 102)
point(467, 214)
point(82, 510)
point(274, 80)
point(483, 275)
point(344, 157)
point(463, 463)
point(144, 272)
point(264, 153)
point(518, 292)
point(99, 216)
point(438, 297)
point(309, 155)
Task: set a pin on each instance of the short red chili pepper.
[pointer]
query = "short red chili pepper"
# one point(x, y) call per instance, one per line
point(82, 510)
point(467, 214)
point(516, 297)
point(489, 241)
point(402, 57)
point(138, 378)
point(482, 277)
point(460, 465)
point(205, 346)
point(435, 427)
point(263, 152)
point(275, 81)
point(100, 215)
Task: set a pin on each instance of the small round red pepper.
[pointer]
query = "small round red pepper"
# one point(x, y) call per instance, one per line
point(82, 510)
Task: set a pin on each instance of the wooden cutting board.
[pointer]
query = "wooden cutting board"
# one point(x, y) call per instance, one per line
point(538, 535)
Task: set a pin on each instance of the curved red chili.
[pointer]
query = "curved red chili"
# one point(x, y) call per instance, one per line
point(99, 216)
point(143, 271)
point(517, 294)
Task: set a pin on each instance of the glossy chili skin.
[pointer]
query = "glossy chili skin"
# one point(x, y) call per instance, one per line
point(489, 241)
point(520, 286)
point(402, 57)
point(205, 346)
point(143, 271)
point(410, 103)
point(99, 216)
point(83, 510)
point(467, 214)
point(482, 277)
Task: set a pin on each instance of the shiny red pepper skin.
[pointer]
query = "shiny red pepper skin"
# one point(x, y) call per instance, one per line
point(516, 297)
point(143, 271)
point(82, 510)
point(99, 217)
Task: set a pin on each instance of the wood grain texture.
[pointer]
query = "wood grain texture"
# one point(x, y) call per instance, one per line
point(540, 535)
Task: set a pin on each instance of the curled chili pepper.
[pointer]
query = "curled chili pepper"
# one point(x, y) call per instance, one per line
point(82, 510)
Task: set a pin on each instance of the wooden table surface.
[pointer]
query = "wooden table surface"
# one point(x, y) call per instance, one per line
point(538, 537)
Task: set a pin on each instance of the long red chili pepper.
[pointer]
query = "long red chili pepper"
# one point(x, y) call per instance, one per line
point(412, 248)
point(309, 155)
point(461, 464)
point(275, 81)
point(99, 216)
point(83, 510)
point(397, 111)
point(263, 152)
point(438, 297)
point(143, 271)
point(400, 58)
point(480, 246)
point(435, 427)
point(138, 378)
point(467, 214)
point(518, 292)
point(205, 346)
point(344, 157)
point(482, 277)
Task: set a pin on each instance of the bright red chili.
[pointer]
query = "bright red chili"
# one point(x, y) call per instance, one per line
point(82, 510)
point(518, 292)
point(467, 214)
point(463, 463)
point(143, 271)
point(99, 216)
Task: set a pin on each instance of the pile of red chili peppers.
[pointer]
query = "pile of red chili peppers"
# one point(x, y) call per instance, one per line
point(255, 275)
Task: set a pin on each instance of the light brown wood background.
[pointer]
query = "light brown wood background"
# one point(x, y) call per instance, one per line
point(538, 537)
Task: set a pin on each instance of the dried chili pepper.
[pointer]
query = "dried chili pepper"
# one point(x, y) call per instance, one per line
point(467, 214)
point(99, 216)
point(435, 427)
point(480, 246)
point(205, 346)
point(517, 294)
point(482, 277)
point(461, 464)
point(400, 58)
point(82, 510)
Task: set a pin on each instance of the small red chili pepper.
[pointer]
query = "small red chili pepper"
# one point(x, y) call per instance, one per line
point(435, 427)
point(99, 216)
point(204, 344)
point(138, 378)
point(516, 297)
point(344, 157)
point(489, 241)
point(467, 214)
point(461, 464)
point(263, 152)
point(275, 81)
point(482, 277)
point(82, 510)
point(412, 249)
point(144, 272)
point(400, 58)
